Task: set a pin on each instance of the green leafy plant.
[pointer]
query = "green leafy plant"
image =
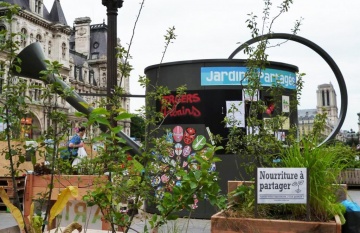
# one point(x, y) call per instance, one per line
point(132, 177)
point(324, 169)
point(15, 107)
point(260, 148)
point(242, 200)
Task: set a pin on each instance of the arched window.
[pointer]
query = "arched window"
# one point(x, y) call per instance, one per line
point(92, 80)
point(104, 79)
point(49, 47)
point(63, 50)
point(85, 76)
point(38, 38)
point(327, 98)
point(38, 5)
point(77, 73)
point(36, 94)
point(23, 37)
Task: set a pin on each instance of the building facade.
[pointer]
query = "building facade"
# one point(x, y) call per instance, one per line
point(81, 50)
point(326, 103)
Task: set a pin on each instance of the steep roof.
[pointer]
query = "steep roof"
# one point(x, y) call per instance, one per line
point(57, 14)
point(79, 59)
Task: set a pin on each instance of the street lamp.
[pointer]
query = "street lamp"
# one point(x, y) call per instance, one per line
point(112, 9)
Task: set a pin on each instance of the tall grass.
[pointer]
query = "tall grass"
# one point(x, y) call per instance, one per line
point(324, 167)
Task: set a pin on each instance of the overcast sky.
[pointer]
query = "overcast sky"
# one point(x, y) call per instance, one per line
point(211, 29)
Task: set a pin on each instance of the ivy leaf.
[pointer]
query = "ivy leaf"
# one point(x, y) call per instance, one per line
point(33, 159)
point(100, 111)
point(21, 159)
point(193, 185)
point(172, 217)
point(124, 116)
point(103, 120)
point(117, 129)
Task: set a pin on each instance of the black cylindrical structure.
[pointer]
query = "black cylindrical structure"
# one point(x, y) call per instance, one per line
point(212, 87)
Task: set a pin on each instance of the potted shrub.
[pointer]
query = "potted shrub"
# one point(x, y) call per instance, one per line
point(326, 212)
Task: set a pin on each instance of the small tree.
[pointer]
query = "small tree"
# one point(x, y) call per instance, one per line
point(14, 107)
point(134, 178)
point(261, 147)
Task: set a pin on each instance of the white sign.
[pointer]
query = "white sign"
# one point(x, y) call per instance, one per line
point(252, 130)
point(248, 97)
point(78, 211)
point(285, 103)
point(235, 112)
point(281, 186)
point(280, 135)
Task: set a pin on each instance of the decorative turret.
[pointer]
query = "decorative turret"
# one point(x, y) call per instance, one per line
point(57, 14)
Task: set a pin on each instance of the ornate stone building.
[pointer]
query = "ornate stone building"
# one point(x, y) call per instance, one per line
point(81, 50)
point(326, 102)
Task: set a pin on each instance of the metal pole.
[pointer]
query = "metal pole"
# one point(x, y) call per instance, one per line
point(112, 9)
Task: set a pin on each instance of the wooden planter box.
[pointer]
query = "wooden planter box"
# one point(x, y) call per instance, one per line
point(36, 185)
point(222, 224)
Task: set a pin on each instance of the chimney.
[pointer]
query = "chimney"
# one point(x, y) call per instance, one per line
point(82, 35)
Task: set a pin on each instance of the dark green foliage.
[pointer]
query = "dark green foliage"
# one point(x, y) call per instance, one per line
point(138, 127)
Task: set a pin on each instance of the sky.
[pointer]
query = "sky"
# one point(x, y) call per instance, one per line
point(213, 29)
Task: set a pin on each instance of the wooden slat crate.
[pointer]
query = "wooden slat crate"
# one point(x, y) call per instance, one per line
point(3, 207)
point(351, 177)
point(7, 183)
point(11, 193)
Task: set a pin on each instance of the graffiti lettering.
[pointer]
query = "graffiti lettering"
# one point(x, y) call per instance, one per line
point(183, 111)
point(180, 105)
point(186, 98)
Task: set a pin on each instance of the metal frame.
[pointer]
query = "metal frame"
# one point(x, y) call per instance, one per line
point(324, 55)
